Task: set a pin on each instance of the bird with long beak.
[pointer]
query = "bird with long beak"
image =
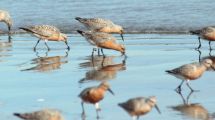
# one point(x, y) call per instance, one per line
point(93, 95)
point(6, 18)
point(46, 33)
point(101, 25)
point(102, 40)
point(206, 33)
point(139, 106)
point(191, 71)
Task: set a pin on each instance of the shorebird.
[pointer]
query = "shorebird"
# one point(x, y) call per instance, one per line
point(190, 71)
point(46, 33)
point(93, 95)
point(101, 25)
point(207, 33)
point(139, 106)
point(45, 114)
point(5, 17)
point(102, 40)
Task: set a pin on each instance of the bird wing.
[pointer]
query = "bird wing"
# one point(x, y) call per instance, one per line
point(44, 30)
point(185, 70)
point(97, 23)
point(99, 37)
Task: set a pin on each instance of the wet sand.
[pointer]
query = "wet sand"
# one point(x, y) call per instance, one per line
point(35, 80)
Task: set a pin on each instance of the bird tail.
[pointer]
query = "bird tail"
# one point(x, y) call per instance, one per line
point(195, 32)
point(81, 32)
point(80, 19)
point(19, 115)
point(169, 71)
point(26, 29)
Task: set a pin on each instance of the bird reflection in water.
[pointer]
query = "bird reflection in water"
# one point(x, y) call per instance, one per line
point(5, 48)
point(192, 110)
point(104, 68)
point(46, 63)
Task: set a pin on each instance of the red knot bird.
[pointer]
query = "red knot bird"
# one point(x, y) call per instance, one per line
point(93, 95)
point(102, 40)
point(101, 25)
point(46, 33)
point(139, 106)
point(190, 71)
point(207, 33)
point(45, 114)
point(5, 17)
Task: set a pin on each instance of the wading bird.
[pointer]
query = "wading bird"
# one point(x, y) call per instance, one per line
point(101, 25)
point(93, 95)
point(5, 17)
point(190, 71)
point(139, 106)
point(102, 40)
point(207, 33)
point(45, 114)
point(46, 33)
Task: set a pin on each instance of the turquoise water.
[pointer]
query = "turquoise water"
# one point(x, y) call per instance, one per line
point(36, 80)
point(134, 15)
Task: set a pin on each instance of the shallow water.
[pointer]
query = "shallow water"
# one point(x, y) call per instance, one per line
point(35, 80)
point(135, 16)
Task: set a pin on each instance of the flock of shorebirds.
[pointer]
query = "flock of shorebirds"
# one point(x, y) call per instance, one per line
point(99, 36)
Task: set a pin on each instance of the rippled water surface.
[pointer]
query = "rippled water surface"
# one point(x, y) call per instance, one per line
point(36, 80)
point(134, 15)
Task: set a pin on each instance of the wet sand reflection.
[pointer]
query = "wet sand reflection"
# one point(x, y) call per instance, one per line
point(46, 63)
point(103, 68)
point(5, 48)
point(192, 110)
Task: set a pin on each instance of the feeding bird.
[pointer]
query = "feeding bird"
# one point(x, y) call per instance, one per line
point(46, 33)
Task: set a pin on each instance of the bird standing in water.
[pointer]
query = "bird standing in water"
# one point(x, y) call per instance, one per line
point(139, 106)
point(207, 33)
point(5, 17)
point(190, 71)
point(101, 25)
point(46, 33)
point(102, 40)
point(93, 95)
point(45, 114)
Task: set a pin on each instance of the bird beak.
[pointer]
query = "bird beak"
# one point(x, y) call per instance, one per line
point(212, 67)
point(157, 109)
point(110, 91)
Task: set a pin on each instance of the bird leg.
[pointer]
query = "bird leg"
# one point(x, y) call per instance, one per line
point(102, 52)
point(47, 45)
point(187, 82)
point(135, 118)
point(199, 54)
point(83, 115)
point(94, 49)
point(98, 52)
point(210, 46)
point(68, 48)
point(178, 89)
point(36, 44)
point(199, 44)
point(97, 110)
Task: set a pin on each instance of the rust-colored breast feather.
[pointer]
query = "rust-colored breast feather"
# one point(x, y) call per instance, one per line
point(210, 36)
point(93, 96)
point(107, 44)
